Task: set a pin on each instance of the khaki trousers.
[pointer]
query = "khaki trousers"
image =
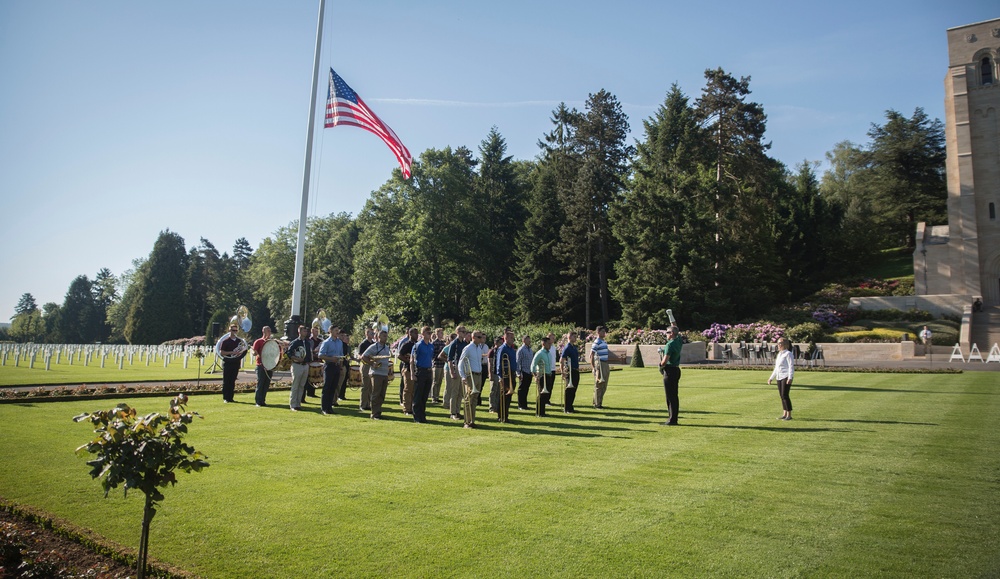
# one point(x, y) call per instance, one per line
point(379, 384)
point(601, 386)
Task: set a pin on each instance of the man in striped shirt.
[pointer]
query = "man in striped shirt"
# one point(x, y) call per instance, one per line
point(599, 365)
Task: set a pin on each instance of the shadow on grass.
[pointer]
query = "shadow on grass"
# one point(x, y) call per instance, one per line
point(892, 390)
point(857, 421)
point(768, 428)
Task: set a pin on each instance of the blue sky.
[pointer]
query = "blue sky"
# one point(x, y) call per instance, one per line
point(119, 119)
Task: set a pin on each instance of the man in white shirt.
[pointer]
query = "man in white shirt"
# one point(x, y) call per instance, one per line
point(470, 369)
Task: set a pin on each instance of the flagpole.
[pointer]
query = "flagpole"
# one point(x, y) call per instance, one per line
point(295, 319)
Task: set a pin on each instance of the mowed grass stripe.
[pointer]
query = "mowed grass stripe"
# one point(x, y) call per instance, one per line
point(731, 492)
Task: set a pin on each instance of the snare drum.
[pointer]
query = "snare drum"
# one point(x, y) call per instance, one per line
point(316, 373)
point(354, 378)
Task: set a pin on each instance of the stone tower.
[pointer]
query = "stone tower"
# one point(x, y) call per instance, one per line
point(963, 257)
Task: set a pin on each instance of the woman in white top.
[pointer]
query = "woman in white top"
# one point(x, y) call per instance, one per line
point(784, 370)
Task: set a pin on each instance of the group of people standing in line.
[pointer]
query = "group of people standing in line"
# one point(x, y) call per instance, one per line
point(462, 364)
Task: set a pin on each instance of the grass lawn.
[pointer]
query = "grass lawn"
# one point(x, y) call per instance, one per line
point(895, 264)
point(77, 373)
point(878, 475)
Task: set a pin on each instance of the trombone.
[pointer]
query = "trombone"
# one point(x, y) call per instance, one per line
point(467, 391)
point(541, 387)
point(564, 370)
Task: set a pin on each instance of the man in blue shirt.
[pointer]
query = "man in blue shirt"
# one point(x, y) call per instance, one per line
point(505, 370)
point(422, 368)
point(332, 352)
point(524, 357)
point(571, 369)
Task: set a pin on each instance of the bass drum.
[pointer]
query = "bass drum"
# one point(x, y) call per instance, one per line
point(270, 354)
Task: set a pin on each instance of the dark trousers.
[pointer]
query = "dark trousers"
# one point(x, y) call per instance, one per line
point(571, 388)
point(331, 377)
point(503, 397)
point(545, 382)
point(343, 387)
point(263, 384)
point(425, 377)
point(523, 388)
point(230, 370)
point(671, 382)
point(783, 388)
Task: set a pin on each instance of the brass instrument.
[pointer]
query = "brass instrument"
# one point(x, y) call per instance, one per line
point(467, 391)
point(242, 321)
point(321, 321)
point(566, 378)
point(505, 392)
point(538, 393)
point(238, 353)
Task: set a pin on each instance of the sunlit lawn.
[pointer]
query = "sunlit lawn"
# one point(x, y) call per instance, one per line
point(878, 475)
point(77, 373)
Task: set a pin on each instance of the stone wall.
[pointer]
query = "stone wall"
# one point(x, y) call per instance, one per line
point(834, 352)
point(692, 353)
point(952, 305)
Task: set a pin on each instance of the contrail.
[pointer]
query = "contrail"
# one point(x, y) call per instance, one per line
point(447, 103)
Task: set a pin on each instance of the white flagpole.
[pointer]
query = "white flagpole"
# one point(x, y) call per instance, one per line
point(295, 319)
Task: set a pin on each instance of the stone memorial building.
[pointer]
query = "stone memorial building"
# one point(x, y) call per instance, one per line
point(958, 265)
point(962, 258)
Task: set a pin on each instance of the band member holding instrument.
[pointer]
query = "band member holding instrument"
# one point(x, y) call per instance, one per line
point(366, 379)
point(506, 372)
point(332, 352)
point(422, 369)
point(263, 374)
point(345, 362)
point(397, 348)
point(571, 362)
point(491, 358)
point(405, 357)
point(454, 395)
point(439, 371)
point(232, 349)
point(300, 352)
point(449, 381)
point(471, 369)
point(670, 361)
point(524, 356)
point(544, 367)
point(316, 339)
point(599, 365)
point(377, 356)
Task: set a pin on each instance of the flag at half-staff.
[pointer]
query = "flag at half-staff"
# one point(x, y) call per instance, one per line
point(345, 107)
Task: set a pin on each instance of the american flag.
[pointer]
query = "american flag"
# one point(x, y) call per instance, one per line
point(345, 107)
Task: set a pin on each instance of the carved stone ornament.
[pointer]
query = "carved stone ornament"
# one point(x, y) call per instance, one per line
point(970, 37)
point(996, 33)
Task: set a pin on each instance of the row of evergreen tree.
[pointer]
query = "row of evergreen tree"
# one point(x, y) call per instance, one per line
point(694, 217)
